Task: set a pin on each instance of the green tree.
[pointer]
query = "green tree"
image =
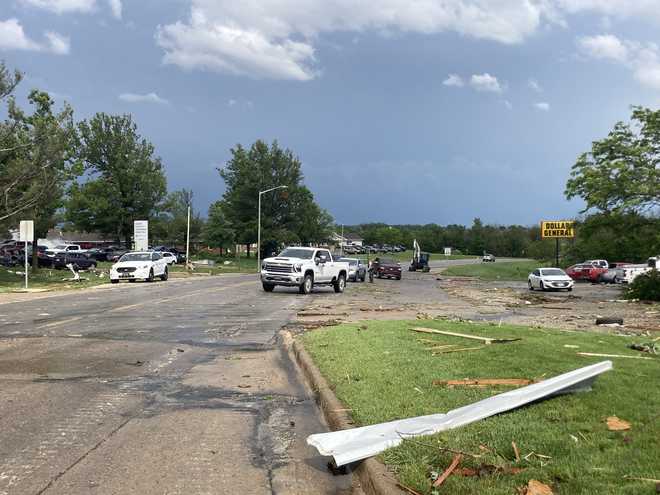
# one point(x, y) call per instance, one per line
point(287, 216)
point(124, 180)
point(171, 223)
point(218, 232)
point(622, 171)
point(40, 163)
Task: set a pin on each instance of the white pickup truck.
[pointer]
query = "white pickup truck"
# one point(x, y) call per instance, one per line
point(628, 273)
point(304, 268)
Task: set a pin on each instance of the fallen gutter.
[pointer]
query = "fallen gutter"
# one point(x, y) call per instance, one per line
point(347, 446)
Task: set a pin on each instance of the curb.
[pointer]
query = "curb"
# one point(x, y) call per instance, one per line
point(373, 475)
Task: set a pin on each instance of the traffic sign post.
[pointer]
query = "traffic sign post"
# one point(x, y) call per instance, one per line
point(559, 229)
point(26, 235)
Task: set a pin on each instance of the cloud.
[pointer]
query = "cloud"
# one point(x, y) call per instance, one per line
point(642, 59)
point(13, 37)
point(604, 46)
point(116, 8)
point(543, 106)
point(621, 9)
point(146, 98)
point(534, 85)
point(485, 82)
point(454, 80)
point(62, 6)
point(276, 38)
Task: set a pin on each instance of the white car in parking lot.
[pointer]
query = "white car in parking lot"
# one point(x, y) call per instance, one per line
point(169, 257)
point(145, 265)
point(549, 279)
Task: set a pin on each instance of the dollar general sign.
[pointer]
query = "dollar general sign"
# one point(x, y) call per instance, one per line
point(560, 229)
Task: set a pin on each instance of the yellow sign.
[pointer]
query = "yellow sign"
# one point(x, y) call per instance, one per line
point(559, 229)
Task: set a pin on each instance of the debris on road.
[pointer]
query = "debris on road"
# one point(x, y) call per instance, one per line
point(487, 340)
point(609, 321)
point(347, 446)
point(483, 382)
point(454, 464)
point(616, 424)
point(648, 347)
point(591, 354)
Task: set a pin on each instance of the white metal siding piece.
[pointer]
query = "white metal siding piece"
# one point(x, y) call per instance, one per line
point(355, 444)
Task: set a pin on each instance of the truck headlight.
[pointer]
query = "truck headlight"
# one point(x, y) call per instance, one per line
point(297, 267)
point(263, 266)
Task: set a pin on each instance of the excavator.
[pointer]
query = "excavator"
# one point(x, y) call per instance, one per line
point(420, 260)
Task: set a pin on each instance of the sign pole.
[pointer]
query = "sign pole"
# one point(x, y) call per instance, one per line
point(26, 264)
point(557, 252)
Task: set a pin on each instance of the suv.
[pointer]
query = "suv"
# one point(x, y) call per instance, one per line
point(488, 258)
point(304, 268)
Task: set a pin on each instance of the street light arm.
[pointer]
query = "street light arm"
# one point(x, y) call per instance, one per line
point(273, 189)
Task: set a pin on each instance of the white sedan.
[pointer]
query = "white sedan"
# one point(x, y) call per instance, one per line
point(145, 265)
point(169, 258)
point(549, 279)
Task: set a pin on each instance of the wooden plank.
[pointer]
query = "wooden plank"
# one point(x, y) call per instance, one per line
point(484, 382)
point(487, 340)
point(458, 350)
point(591, 354)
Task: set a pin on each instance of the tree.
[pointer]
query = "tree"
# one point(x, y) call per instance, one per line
point(218, 232)
point(621, 172)
point(40, 163)
point(124, 180)
point(171, 224)
point(289, 216)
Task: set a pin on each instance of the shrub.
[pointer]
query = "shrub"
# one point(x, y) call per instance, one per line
point(645, 287)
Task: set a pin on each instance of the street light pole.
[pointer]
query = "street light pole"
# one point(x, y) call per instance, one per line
point(188, 241)
point(259, 225)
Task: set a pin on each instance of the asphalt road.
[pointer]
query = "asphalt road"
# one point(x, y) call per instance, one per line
point(181, 387)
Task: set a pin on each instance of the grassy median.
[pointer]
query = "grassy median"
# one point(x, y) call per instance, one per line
point(506, 270)
point(385, 371)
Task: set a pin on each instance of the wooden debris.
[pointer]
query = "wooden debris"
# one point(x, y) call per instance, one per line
point(650, 480)
point(439, 347)
point(616, 424)
point(537, 488)
point(487, 340)
point(454, 464)
point(458, 350)
point(516, 451)
point(407, 489)
point(484, 382)
point(591, 354)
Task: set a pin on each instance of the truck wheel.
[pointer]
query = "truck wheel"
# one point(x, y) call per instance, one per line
point(340, 284)
point(267, 287)
point(307, 285)
point(165, 275)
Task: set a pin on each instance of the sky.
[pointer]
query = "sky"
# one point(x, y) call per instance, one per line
point(401, 111)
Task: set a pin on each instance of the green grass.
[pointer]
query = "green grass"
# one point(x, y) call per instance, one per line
point(407, 256)
point(46, 278)
point(384, 373)
point(507, 270)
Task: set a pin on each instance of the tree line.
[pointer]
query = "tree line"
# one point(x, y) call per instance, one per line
point(100, 175)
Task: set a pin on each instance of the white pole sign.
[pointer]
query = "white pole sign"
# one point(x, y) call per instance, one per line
point(141, 235)
point(26, 235)
point(447, 251)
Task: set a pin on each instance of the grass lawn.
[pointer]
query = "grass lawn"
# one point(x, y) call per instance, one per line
point(385, 373)
point(407, 256)
point(46, 278)
point(506, 270)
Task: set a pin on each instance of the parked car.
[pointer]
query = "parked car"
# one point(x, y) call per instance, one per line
point(67, 248)
point(116, 254)
point(304, 268)
point(598, 263)
point(387, 268)
point(585, 271)
point(549, 279)
point(170, 258)
point(488, 258)
point(145, 265)
point(357, 270)
point(79, 261)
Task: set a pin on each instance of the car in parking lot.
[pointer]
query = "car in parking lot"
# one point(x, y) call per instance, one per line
point(549, 279)
point(170, 258)
point(357, 270)
point(387, 268)
point(144, 265)
point(79, 261)
point(586, 271)
point(488, 258)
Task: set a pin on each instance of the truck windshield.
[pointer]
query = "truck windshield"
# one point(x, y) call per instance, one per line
point(303, 254)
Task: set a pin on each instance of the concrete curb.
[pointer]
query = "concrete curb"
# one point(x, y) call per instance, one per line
point(374, 477)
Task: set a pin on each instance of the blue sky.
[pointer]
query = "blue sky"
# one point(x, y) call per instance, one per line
point(402, 111)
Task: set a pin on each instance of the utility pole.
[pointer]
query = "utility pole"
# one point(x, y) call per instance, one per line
point(188, 241)
point(341, 243)
point(259, 225)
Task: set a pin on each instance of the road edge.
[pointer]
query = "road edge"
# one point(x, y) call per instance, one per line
point(373, 475)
